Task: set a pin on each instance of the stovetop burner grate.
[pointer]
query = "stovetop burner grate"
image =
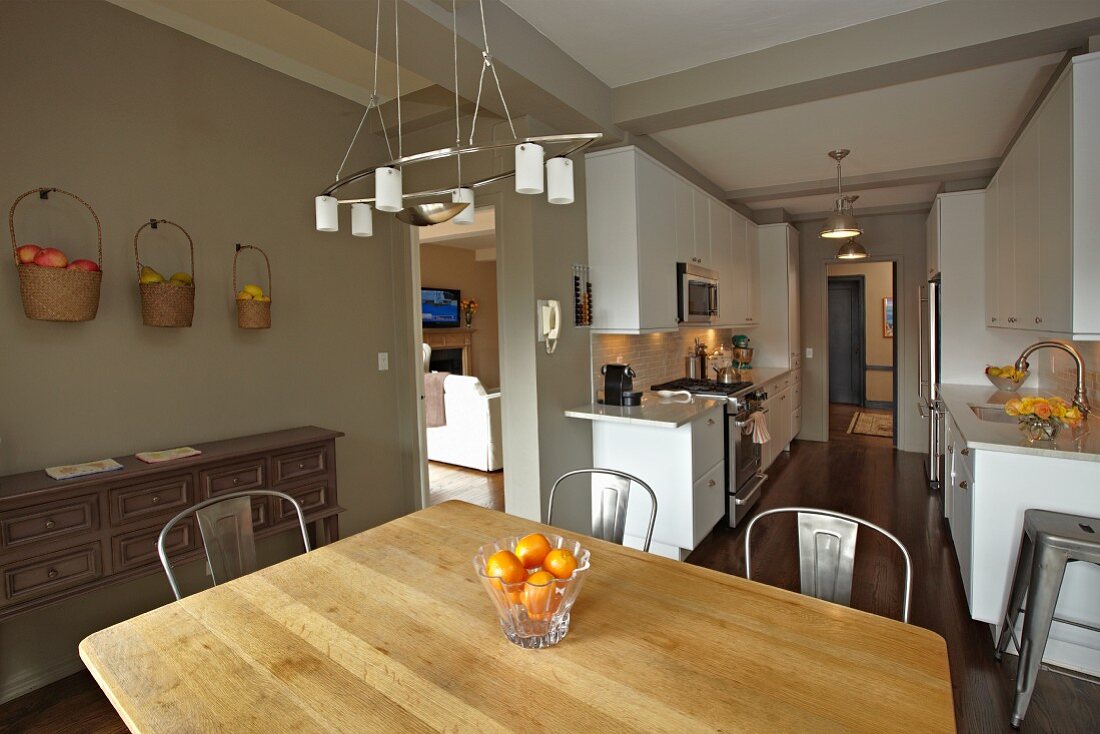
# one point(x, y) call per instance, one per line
point(703, 387)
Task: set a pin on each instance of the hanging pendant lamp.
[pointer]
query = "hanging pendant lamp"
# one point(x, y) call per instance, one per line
point(851, 250)
point(842, 222)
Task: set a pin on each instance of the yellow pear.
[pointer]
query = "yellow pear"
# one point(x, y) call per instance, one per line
point(244, 296)
point(148, 275)
point(182, 278)
point(254, 290)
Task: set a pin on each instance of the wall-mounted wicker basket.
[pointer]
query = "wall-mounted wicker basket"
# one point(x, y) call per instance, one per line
point(166, 304)
point(252, 314)
point(57, 294)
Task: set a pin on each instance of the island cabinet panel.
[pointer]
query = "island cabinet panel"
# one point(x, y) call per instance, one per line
point(60, 539)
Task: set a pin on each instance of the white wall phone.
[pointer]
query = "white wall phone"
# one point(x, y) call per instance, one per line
point(549, 318)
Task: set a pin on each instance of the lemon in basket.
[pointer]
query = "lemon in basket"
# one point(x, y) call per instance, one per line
point(148, 275)
point(253, 290)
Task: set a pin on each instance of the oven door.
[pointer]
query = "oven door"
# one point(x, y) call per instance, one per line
point(743, 465)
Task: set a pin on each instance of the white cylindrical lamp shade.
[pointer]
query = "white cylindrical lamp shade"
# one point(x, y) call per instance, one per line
point(387, 189)
point(559, 181)
point(529, 157)
point(362, 220)
point(328, 218)
point(466, 216)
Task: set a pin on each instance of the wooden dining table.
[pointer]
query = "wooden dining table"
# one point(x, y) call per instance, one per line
point(390, 630)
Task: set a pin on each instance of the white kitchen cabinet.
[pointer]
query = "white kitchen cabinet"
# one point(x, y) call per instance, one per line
point(777, 341)
point(738, 287)
point(701, 205)
point(684, 207)
point(1042, 236)
point(932, 239)
point(721, 248)
point(783, 409)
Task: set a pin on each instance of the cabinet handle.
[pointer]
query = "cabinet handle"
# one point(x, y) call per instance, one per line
point(993, 320)
point(965, 452)
point(711, 483)
point(950, 448)
point(52, 573)
point(156, 499)
point(963, 485)
point(1012, 319)
point(50, 524)
point(710, 421)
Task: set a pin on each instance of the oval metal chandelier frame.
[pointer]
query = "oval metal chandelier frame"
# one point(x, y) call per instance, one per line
point(575, 144)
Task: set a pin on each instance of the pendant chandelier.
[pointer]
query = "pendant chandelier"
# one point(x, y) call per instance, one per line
point(841, 223)
point(451, 202)
point(851, 250)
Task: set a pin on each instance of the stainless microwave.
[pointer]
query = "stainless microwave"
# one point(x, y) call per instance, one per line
point(697, 294)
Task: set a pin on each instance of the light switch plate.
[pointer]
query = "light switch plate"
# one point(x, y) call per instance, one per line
point(809, 352)
point(383, 361)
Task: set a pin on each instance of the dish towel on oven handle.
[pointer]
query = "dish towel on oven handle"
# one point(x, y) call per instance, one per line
point(757, 425)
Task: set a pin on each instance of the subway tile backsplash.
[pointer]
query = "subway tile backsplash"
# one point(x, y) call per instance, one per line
point(1057, 372)
point(656, 358)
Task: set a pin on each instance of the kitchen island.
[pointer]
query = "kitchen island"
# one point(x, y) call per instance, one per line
point(992, 476)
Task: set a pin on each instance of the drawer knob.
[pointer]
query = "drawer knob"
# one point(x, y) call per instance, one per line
point(965, 452)
point(50, 524)
point(236, 481)
point(156, 499)
point(963, 485)
point(301, 465)
point(52, 573)
point(710, 421)
point(711, 483)
point(1038, 320)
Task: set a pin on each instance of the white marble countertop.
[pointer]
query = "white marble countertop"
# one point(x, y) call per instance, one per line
point(760, 375)
point(654, 411)
point(1082, 444)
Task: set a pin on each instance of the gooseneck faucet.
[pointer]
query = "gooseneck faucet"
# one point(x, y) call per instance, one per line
point(1080, 397)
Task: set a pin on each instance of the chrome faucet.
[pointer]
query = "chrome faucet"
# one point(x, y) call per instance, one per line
point(1081, 396)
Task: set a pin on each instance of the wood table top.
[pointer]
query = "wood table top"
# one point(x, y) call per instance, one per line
point(391, 630)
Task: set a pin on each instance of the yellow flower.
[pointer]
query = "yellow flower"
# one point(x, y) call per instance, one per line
point(1043, 410)
point(1013, 406)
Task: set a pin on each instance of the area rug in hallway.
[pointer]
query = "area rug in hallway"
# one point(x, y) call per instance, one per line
point(872, 424)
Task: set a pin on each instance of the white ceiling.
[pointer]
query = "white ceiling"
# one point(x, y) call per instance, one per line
point(624, 41)
point(959, 117)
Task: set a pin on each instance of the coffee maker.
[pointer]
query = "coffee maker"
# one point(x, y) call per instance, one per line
point(618, 385)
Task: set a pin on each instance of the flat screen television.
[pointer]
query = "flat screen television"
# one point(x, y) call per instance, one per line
point(441, 307)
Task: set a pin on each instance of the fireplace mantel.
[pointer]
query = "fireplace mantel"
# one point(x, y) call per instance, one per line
point(453, 339)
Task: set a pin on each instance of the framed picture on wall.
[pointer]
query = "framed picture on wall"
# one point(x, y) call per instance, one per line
point(888, 317)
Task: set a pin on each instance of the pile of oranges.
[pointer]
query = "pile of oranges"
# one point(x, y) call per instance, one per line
point(531, 574)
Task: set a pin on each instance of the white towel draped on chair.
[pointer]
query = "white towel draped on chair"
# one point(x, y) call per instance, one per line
point(757, 425)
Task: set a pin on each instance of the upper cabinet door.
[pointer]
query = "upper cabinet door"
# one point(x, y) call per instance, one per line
point(701, 206)
point(993, 316)
point(752, 276)
point(1055, 120)
point(932, 239)
point(1025, 197)
point(1005, 245)
point(721, 253)
point(685, 220)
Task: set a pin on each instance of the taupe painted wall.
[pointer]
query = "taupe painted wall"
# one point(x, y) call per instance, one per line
point(893, 237)
point(455, 267)
point(878, 283)
point(144, 122)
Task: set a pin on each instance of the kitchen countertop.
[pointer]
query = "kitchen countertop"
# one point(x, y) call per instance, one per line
point(1007, 437)
point(759, 375)
point(654, 411)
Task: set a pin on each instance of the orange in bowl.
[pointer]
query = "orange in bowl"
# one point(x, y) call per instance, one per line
point(504, 565)
point(532, 549)
point(540, 596)
point(561, 562)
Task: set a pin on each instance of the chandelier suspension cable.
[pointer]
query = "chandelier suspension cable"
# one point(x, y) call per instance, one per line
point(487, 55)
point(373, 101)
point(397, 63)
point(458, 127)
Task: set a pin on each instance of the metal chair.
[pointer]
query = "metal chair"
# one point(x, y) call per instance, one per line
point(226, 526)
point(1050, 541)
point(609, 514)
point(827, 551)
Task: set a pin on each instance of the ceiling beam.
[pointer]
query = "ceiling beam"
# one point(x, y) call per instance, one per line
point(917, 207)
point(967, 170)
point(930, 41)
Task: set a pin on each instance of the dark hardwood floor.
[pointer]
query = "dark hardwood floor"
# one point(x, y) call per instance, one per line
point(861, 477)
point(840, 417)
point(449, 482)
point(864, 476)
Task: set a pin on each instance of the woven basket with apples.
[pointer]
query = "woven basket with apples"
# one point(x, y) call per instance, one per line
point(1006, 378)
point(52, 287)
point(165, 302)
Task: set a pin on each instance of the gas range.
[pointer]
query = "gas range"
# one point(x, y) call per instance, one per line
point(704, 388)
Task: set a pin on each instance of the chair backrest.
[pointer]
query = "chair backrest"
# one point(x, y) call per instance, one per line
point(426, 353)
point(609, 507)
point(827, 551)
point(225, 523)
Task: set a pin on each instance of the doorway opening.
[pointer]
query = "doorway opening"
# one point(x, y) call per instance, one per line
point(862, 352)
point(461, 362)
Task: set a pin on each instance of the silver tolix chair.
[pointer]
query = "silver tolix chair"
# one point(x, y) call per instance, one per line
point(609, 506)
point(226, 526)
point(827, 551)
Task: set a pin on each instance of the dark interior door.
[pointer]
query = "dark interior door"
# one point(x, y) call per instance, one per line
point(846, 340)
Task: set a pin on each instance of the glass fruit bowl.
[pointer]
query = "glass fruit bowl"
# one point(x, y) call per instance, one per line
point(533, 614)
point(1007, 384)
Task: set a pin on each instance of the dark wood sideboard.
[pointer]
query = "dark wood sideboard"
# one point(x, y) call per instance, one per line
point(60, 539)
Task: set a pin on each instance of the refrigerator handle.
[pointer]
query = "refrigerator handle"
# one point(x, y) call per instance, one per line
point(920, 342)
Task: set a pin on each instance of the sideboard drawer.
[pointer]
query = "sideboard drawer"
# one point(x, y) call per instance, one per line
point(139, 547)
point(299, 464)
point(150, 499)
point(52, 573)
point(311, 497)
point(46, 522)
point(234, 478)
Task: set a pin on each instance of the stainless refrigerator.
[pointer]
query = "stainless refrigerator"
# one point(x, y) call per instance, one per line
point(931, 409)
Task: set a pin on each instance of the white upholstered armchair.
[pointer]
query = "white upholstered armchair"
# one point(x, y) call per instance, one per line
point(471, 437)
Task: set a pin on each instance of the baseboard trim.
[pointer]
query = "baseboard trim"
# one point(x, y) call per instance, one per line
point(26, 681)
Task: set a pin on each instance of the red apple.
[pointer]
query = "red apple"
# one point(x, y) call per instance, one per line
point(88, 265)
point(50, 257)
point(26, 253)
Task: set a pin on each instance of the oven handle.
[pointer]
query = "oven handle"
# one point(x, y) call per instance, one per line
point(755, 490)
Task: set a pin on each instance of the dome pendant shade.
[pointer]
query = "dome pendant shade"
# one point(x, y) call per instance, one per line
point(425, 215)
point(840, 226)
point(851, 250)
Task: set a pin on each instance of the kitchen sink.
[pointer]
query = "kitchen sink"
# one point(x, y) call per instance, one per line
point(993, 414)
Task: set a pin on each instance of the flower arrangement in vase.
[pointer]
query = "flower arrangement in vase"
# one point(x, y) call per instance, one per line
point(469, 308)
point(1041, 418)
